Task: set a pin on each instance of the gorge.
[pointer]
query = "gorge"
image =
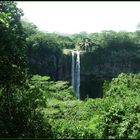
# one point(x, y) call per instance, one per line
point(116, 53)
point(95, 67)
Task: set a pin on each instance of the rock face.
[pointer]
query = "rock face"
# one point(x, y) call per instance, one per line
point(64, 67)
point(95, 67)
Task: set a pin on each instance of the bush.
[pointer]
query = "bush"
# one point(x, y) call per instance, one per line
point(122, 118)
point(124, 85)
point(26, 118)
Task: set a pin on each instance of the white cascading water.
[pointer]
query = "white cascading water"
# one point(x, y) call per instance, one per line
point(72, 70)
point(76, 73)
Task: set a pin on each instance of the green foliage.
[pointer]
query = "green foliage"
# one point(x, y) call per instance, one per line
point(66, 115)
point(29, 28)
point(106, 86)
point(26, 117)
point(121, 119)
point(113, 116)
point(20, 106)
point(109, 117)
point(13, 66)
point(59, 90)
point(43, 55)
point(124, 85)
point(86, 44)
point(13, 47)
point(38, 79)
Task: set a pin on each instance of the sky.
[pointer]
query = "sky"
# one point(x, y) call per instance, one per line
point(75, 17)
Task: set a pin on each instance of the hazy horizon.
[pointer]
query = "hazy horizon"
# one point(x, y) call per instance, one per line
point(76, 17)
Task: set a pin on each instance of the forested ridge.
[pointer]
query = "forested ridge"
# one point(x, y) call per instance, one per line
point(36, 96)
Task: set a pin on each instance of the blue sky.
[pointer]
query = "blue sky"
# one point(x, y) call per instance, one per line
point(75, 17)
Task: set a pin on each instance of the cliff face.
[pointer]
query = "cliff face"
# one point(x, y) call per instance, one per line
point(104, 65)
point(97, 66)
point(111, 63)
point(64, 67)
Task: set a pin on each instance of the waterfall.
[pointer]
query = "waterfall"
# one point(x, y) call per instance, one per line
point(78, 74)
point(75, 70)
point(72, 70)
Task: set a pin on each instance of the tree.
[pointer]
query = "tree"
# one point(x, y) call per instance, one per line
point(12, 59)
point(13, 47)
point(86, 44)
point(29, 27)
